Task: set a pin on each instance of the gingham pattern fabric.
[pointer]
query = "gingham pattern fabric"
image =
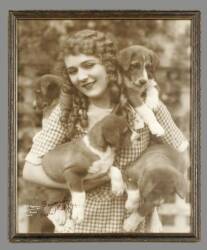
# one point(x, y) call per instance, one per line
point(104, 213)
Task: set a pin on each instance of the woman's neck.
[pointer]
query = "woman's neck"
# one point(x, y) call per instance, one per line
point(102, 102)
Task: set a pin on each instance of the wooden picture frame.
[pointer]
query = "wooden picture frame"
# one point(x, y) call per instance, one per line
point(18, 62)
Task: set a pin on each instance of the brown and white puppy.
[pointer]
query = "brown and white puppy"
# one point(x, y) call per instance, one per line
point(46, 91)
point(93, 154)
point(158, 173)
point(138, 65)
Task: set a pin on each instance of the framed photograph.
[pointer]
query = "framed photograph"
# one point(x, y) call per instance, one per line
point(104, 126)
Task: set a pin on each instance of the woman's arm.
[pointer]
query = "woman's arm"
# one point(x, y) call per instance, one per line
point(173, 135)
point(48, 138)
point(52, 134)
point(36, 174)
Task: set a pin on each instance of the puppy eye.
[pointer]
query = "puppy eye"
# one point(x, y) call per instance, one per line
point(135, 65)
point(148, 66)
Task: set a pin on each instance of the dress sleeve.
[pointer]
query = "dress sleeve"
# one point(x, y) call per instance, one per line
point(173, 136)
point(52, 134)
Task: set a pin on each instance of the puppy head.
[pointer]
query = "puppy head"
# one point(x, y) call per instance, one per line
point(115, 131)
point(159, 182)
point(138, 63)
point(46, 90)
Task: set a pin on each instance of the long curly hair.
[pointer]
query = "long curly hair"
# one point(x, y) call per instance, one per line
point(73, 103)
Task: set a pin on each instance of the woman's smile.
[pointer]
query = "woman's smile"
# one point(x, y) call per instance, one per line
point(88, 85)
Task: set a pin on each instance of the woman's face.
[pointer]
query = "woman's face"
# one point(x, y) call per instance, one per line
point(87, 74)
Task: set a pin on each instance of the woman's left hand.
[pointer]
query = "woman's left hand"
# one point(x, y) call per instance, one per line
point(91, 181)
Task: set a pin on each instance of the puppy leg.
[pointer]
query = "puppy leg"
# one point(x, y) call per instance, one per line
point(149, 118)
point(57, 216)
point(75, 183)
point(117, 183)
point(152, 95)
point(133, 198)
point(155, 223)
point(78, 202)
point(132, 222)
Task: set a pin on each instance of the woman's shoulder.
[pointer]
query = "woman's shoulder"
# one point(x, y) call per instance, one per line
point(54, 117)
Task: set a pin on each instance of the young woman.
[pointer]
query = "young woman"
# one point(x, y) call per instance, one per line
point(90, 92)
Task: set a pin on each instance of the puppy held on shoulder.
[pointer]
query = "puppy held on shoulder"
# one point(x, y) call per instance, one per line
point(46, 89)
point(138, 65)
point(161, 170)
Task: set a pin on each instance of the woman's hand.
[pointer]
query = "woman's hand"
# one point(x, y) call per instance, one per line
point(92, 181)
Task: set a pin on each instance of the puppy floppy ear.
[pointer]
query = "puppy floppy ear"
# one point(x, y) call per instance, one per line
point(111, 136)
point(181, 186)
point(154, 61)
point(119, 109)
point(124, 59)
point(53, 84)
point(53, 91)
point(146, 186)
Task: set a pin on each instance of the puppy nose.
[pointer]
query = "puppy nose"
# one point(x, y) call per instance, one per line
point(82, 76)
point(142, 82)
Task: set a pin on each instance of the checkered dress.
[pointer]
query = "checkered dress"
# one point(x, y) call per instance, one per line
point(104, 213)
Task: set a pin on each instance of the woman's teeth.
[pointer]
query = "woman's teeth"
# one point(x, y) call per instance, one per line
point(88, 85)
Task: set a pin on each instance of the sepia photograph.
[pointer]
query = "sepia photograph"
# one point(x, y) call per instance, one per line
point(104, 125)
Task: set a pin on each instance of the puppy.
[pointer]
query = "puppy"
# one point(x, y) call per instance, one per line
point(157, 174)
point(47, 91)
point(138, 65)
point(93, 154)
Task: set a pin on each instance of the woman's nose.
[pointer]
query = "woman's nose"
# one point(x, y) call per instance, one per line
point(82, 75)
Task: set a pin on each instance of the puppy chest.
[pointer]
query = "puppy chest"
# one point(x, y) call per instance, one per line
point(102, 165)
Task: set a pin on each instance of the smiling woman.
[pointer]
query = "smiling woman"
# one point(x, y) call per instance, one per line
point(88, 75)
point(89, 66)
point(90, 91)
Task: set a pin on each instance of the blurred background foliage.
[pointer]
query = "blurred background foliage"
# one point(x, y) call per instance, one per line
point(39, 42)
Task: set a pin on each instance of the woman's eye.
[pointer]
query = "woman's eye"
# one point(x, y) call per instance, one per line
point(88, 65)
point(71, 71)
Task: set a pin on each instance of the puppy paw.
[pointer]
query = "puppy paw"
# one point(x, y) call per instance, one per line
point(152, 103)
point(156, 228)
point(155, 223)
point(117, 183)
point(157, 129)
point(132, 222)
point(58, 217)
point(69, 226)
point(131, 205)
point(133, 199)
point(117, 188)
point(77, 214)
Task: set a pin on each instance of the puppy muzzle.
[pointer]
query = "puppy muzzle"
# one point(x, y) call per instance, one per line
point(140, 82)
